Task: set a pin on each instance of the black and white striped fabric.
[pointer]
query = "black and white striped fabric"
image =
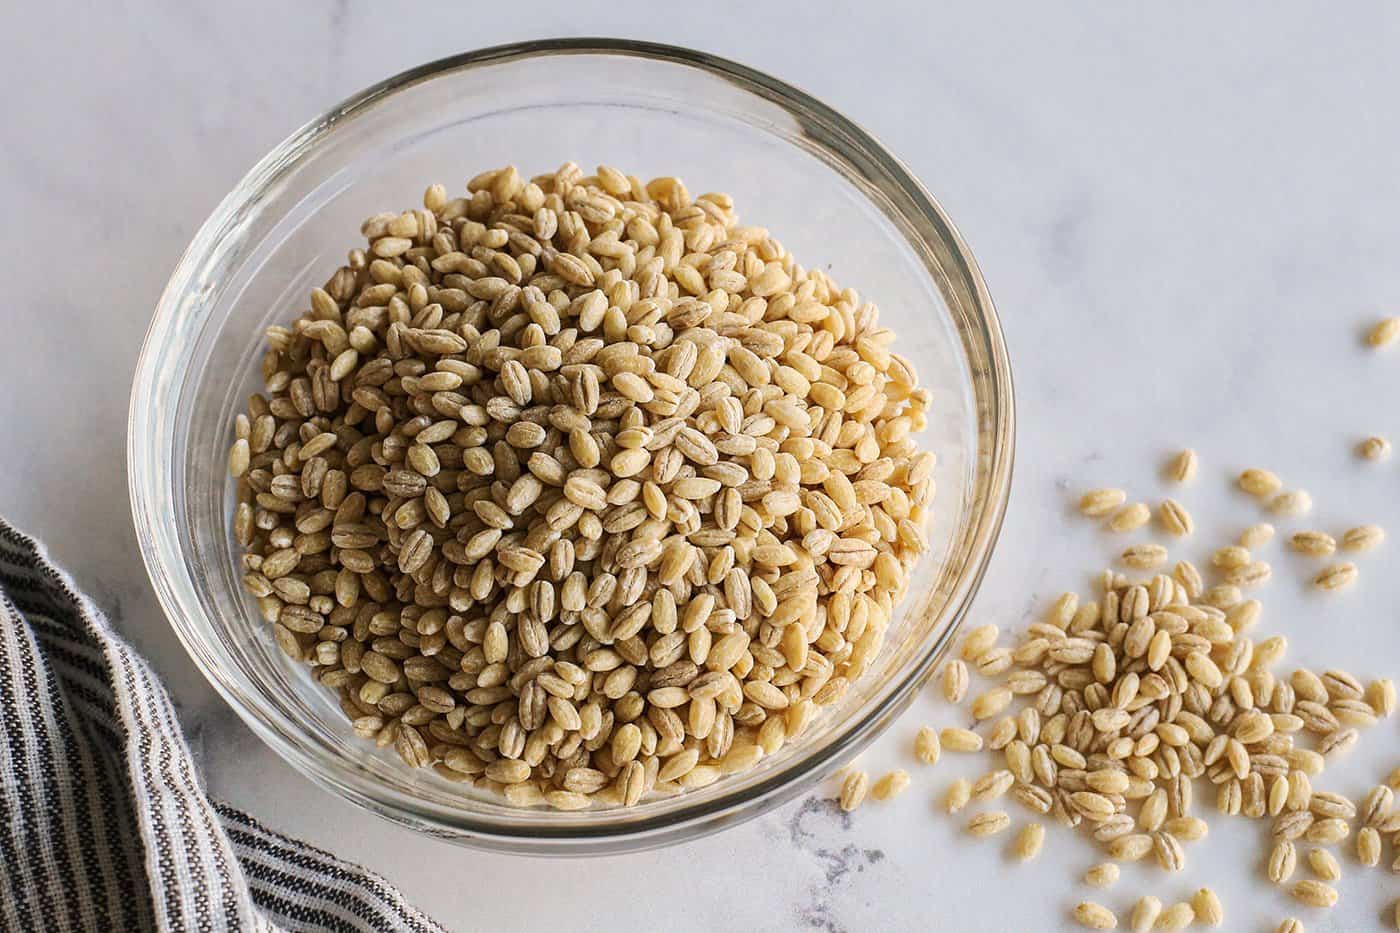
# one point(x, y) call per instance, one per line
point(103, 823)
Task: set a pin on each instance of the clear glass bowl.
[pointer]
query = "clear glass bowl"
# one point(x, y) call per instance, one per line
point(820, 183)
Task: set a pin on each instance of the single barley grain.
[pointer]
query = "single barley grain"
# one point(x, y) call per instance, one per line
point(1259, 483)
point(1207, 906)
point(1256, 535)
point(955, 681)
point(1313, 543)
point(1101, 875)
point(1291, 925)
point(992, 785)
point(1368, 846)
point(1336, 577)
point(1314, 893)
point(1363, 538)
point(890, 785)
point(1144, 556)
point(955, 739)
point(959, 793)
point(926, 745)
point(1373, 448)
point(988, 824)
point(978, 642)
point(1283, 859)
point(1182, 467)
point(1230, 557)
point(1097, 503)
point(991, 703)
point(853, 790)
point(1294, 502)
point(1174, 518)
point(1384, 333)
point(1145, 914)
point(1093, 916)
point(1129, 518)
point(1029, 842)
point(1324, 864)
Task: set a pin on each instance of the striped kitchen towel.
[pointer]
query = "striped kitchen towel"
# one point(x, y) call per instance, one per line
point(103, 822)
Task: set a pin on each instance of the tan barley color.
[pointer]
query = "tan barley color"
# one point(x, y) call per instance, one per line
point(1259, 483)
point(1295, 502)
point(1093, 916)
point(1336, 577)
point(1207, 907)
point(853, 790)
point(1129, 517)
point(1373, 448)
point(1384, 333)
point(891, 785)
point(1029, 842)
point(988, 824)
point(1178, 916)
point(959, 793)
point(1174, 518)
point(1256, 535)
point(1097, 503)
point(1291, 925)
point(927, 748)
point(1182, 467)
point(579, 480)
point(960, 740)
point(1145, 914)
point(1313, 543)
point(1102, 875)
point(1314, 893)
point(1363, 538)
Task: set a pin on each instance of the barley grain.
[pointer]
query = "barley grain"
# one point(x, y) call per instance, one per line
point(1029, 842)
point(1097, 503)
point(988, 824)
point(1336, 577)
point(926, 745)
point(1324, 864)
point(1313, 543)
point(1093, 916)
point(1314, 893)
point(955, 739)
point(891, 785)
point(1129, 518)
point(1385, 332)
point(1373, 448)
point(1256, 536)
point(1259, 483)
point(853, 790)
point(1145, 914)
point(1363, 538)
point(1207, 907)
point(1174, 518)
point(1101, 875)
point(1295, 502)
point(959, 793)
point(1182, 467)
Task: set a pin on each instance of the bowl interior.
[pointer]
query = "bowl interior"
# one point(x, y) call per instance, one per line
point(793, 169)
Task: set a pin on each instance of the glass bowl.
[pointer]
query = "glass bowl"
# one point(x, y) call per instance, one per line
point(820, 183)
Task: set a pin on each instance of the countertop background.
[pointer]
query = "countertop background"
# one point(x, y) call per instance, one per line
point(1187, 221)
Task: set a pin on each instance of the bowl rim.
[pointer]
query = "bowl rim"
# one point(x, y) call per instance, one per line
point(424, 815)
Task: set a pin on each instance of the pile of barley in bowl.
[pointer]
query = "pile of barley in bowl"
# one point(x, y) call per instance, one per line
point(575, 489)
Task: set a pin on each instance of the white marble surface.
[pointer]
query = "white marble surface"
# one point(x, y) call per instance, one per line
point(1187, 219)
